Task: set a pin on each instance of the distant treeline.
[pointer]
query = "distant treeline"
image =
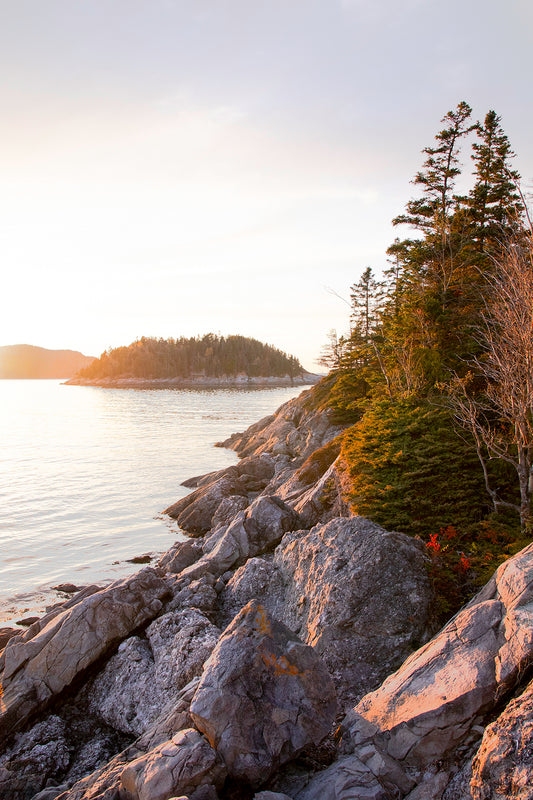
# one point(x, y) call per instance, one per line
point(209, 355)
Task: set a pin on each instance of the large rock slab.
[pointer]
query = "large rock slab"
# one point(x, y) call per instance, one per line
point(263, 696)
point(176, 767)
point(431, 704)
point(36, 669)
point(358, 594)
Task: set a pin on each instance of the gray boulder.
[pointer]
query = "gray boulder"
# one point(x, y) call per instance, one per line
point(199, 593)
point(195, 513)
point(260, 468)
point(263, 696)
point(176, 767)
point(180, 556)
point(254, 531)
point(146, 675)
point(259, 578)
point(123, 693)
point(36, 669)
point(358, 594)
point(228, 510)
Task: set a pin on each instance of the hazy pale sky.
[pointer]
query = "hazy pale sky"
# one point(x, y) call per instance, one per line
point(175, 167)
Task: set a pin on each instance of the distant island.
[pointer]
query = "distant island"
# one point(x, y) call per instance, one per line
point(27, 361)
point(208, 360)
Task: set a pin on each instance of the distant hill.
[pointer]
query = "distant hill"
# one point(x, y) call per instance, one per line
point(27, 361)
point(209, 356)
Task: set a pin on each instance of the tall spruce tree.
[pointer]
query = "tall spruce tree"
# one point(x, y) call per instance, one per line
point(433, 275)
point(432, 212)
point(495, 209)
point(366, 297)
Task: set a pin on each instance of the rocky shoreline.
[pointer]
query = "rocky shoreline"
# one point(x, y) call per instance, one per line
point(199, 382)
point(286, 650)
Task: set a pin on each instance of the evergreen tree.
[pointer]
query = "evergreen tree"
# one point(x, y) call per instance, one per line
point(433, 274)
point(410, 471)
point(495, 209)
point(431, 213)
point(366, 299)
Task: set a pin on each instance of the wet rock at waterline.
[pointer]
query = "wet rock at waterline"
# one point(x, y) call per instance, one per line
point(36, 667)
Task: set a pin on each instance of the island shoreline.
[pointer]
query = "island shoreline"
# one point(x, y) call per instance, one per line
point(199, 382)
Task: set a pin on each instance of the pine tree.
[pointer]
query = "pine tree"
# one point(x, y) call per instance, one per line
point(433, 275)
point(366, 299)
point(431, 213)
point(495, 209)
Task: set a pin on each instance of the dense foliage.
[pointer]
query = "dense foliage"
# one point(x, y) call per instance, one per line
point(435, 445)
point(209, 355)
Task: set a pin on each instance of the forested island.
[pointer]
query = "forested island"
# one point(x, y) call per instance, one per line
point(204, 360)
point(27, 361)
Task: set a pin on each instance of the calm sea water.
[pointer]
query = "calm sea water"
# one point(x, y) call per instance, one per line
point(86, 472)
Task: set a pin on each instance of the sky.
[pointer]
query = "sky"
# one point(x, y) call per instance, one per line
point(176, 167)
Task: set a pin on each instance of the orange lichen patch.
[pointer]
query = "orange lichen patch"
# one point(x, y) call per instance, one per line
point(261, 621)
point(280, 664)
